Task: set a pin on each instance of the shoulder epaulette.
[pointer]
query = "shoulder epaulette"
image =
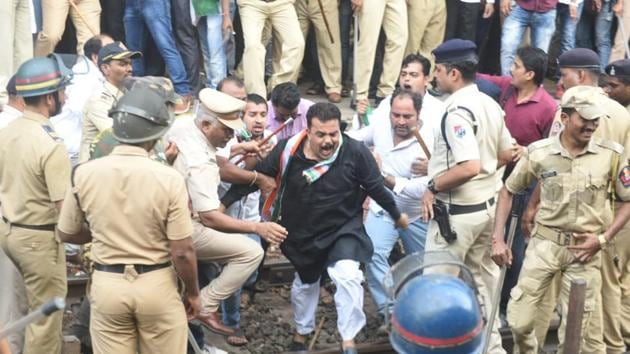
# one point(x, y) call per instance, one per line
point(51, 132)
point(539, 144)
point(610, 145)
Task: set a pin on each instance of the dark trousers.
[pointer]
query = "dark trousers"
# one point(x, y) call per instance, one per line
point(112, 12)
point(461, 20)
point(187, 41)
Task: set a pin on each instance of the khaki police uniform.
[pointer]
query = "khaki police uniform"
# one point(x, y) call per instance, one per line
point(329, 53)
point(197, 162)
point(473, 225)
point(34, 175)
point(96, 118)
point(281, 13)
point(574, 192)
point(17, 37)
point(391, 15)
point(54, 14)
point(134, 207)
point(604, 329)
point(426, 26)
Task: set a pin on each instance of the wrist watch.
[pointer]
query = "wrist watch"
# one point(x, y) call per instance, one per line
point(603, 242)
point(431, 186)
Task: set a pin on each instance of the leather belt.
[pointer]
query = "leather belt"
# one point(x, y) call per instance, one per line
point(267, 0)
point(120, 268)
point(48, 227)
point(455, 209)
point(560, 237)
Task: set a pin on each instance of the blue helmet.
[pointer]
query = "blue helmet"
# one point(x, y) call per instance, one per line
point(433, 306)
point(437, 313)
point(42, 75)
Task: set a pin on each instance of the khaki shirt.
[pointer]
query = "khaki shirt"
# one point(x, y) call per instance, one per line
point(133, 205)
point(615, 128)
point(197, 162)
point(491, 138)
point(34, 170)
point(574, 190)
point(96, 118)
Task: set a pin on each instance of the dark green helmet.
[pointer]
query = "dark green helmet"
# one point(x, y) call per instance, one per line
point(42, 75)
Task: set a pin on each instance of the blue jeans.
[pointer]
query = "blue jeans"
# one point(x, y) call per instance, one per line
point(542, 26)
point(601, 24)
point(213, 48)
point(155, 15)
point(384, 235)
point(231, 307)
point(568, 26)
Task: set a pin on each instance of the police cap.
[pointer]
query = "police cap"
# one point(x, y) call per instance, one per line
point(619, 68)
point(222, 106)
point(581, 58)
point(456, 50)
point(116, 51)
point(584, 100)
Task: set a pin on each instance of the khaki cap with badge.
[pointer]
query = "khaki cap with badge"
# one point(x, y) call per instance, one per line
point(584, 100)
point(222, 106)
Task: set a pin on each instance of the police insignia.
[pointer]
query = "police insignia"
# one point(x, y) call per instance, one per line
point(51, 132)
point(612, 70)
point(459, 131)
point(556, 127)
point(624, 177)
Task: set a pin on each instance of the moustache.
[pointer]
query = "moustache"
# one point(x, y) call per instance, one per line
point(587, 130)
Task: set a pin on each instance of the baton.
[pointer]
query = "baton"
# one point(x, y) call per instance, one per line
point(265, 140)
point(515, 214)
point(423, 145)
point(87, 24)
point(46, 309)
point(353, 101)
point(623, 34)
point(321, 9)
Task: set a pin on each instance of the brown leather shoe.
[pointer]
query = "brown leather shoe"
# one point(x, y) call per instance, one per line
point(334, 97)
point(184, 106)
point(212, 322)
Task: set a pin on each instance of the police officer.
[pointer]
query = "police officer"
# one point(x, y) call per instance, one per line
point(114, 61)
point(34, 174)
point(463, 167)
point(574, 220)
point(616, 257)
point(136, 242)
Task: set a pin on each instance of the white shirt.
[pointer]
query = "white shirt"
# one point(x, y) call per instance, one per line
point(567, 2)
point(477, 1)
point(397, 160)
point(87, 80)
point(8, 115)
point(248, 207)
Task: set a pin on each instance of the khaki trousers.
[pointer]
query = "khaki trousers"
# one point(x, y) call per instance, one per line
point(55, 12)
point(16, 40)
point(427, 23)
point(616, 292)
point(137, 313)
point(619, 48)
point(239, 254)
point(391, 15)
point(543, 260)
point(41, 260)
point(286, 28)
point(329, 54)
point(471, 247)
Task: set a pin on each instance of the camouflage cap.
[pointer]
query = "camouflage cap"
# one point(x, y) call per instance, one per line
point(162, 85)
point(584, 100)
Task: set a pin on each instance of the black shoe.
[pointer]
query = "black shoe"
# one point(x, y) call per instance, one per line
point(297, 347)
point(315, 89)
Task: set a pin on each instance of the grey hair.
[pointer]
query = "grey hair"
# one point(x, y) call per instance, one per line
point(204, 115)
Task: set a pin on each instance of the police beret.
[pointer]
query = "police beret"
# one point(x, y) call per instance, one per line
point(579, 58)
point(222, 105)
point(619, 68)
point(456, 50)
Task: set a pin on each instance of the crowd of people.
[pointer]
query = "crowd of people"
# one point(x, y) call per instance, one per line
point(177, 144)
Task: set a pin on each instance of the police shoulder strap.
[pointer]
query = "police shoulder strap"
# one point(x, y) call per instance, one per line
point(75, 192)
point(443, 123)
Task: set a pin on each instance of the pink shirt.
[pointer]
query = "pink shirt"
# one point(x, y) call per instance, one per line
point(298, 124)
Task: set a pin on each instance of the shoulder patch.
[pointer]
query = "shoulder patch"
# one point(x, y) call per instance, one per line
point(51, 132)
point(556, 128)
point(539, 144)
point(610, 145)
point(624, 177)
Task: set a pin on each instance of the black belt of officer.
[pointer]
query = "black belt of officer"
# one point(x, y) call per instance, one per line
point(48, 227)
point(455, 209)
point(120, 268)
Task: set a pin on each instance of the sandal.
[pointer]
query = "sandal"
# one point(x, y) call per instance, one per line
point(237, 339)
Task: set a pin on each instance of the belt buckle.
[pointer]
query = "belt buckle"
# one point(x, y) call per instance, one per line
point(565, 238)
